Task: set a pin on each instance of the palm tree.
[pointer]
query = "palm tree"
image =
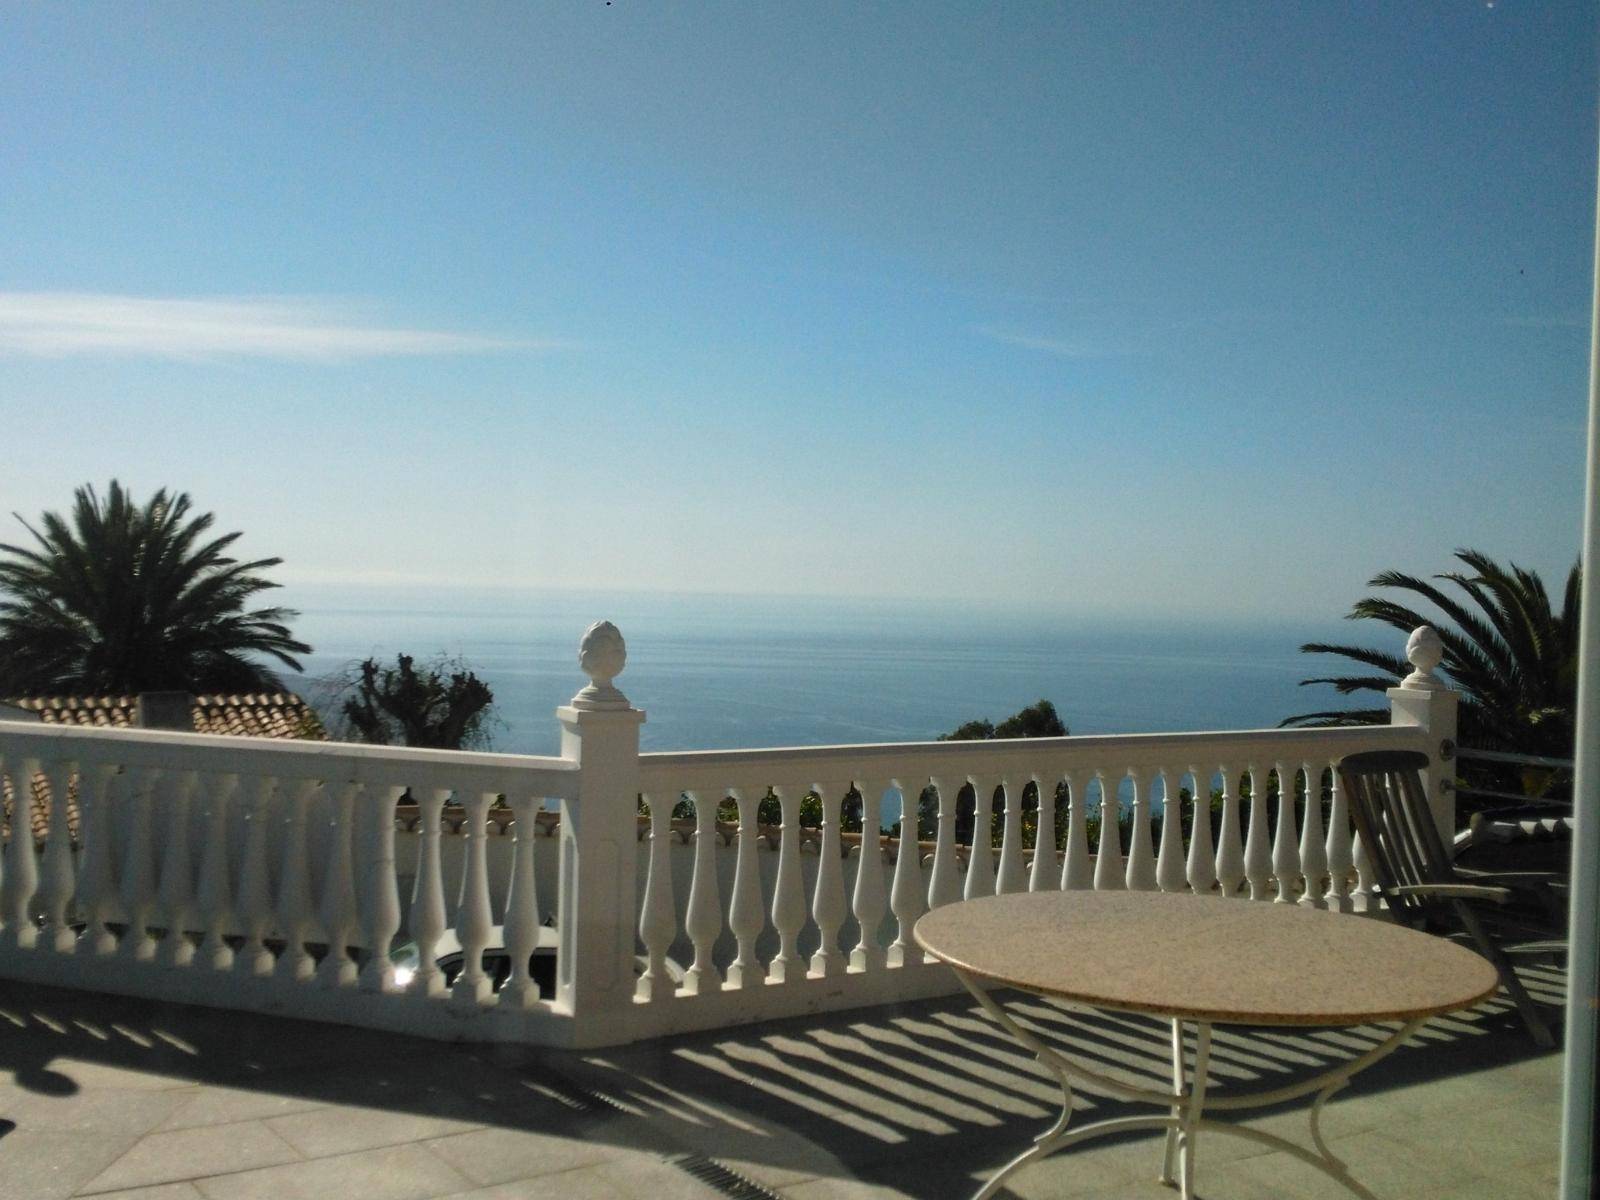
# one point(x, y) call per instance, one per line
point(131, 598)
point(1513, 658)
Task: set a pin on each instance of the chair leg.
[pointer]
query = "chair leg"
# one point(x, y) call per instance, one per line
point(1526, 1009)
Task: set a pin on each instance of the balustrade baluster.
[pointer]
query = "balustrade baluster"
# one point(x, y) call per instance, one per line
point(1076, 872)
point(137, 873)
point(980, 856)
point(177, 875)
point(1043, 878)
point(474, 917)
point(1230, 842)
point(296, 915)
point(255, 885)
point(1257, 852)
point(1201, 868)
point(1338, 848)
point(1169, 861)
point(1285, 845)
point(827, 899)
point(215, 897)
point(1011, 877)
point(428, 920)
point(1313, 854)
point(658, 924)
point(380, 911)
point(97, 892)
point(1361, 899)
point(870, 900)
point(745, 916)
point(56, 884)
point(788, 897)
point(338, 969)
point(945, 886)
point(1108, 866)
point(21, 877)
point(522, 904)
point(703, 920)
point(1141, 855)
point(907, 891)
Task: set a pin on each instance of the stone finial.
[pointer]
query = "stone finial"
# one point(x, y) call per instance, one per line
point(602, 654)
point(1424, 649)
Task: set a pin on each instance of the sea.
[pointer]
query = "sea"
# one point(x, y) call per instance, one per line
point(724, 672)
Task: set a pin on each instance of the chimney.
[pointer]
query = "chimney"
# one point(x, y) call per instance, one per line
point(165, 710)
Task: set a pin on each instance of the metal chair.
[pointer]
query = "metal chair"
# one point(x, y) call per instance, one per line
point(1499, 912)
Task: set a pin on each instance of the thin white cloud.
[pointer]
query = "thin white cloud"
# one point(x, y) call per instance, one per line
point(63, 324)
point(1060, 347)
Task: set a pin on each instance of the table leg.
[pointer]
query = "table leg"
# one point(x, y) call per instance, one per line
point(1185, 1105)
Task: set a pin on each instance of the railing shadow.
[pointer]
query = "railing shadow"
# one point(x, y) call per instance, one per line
point(921, 1097)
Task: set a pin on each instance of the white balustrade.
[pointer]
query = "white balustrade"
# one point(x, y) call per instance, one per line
point(657, 925)
point(1076, 870)
point(1200, 870)
point(869, 900)
point(1011, 877)
point(703, 922)
point(1170, 867)
point(1257, 853)
point(944, 887)
point(338, 911)
point(296, 913)
point(745, 917)
point(1108, 865)
point(980, 855)
point(56, 879)
point(1313, 853)
point(827, 901)
point(907, 893)
point(788, 897)
point(213, 840)
point(1230, 840)
point(474, 918)
point(1042, 877)
point(1340, 851)
point(521, 990)
point(1285, 842)
point(428, 921)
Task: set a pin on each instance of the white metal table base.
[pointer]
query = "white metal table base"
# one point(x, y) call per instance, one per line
point(1185, 1106)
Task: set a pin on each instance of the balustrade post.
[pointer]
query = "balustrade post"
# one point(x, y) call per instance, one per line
point(1230, 842)
point(296, 914)
point(745, 918)
point(338, 969)
point(138, 888)
point(1285, 847)
point(21, 871)
point(428, 921)
point(215, 897)
point(1425, 701)
point(598, 885)
point(869, 898)
point(97, 891)
point(980, 855)
point(177, 882)
point(1108, 869)
point(1257, 853)
point(1141, 855)
point(703, 919)
point(474, 918)
point(788, 892)
point(1201, 867)
point(521, 990)
point(1313, 852)
point(380, 905)
point(1340, 851)
point(1169, 861)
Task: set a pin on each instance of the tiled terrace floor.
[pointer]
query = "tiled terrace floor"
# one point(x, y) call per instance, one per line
point(127, 1100)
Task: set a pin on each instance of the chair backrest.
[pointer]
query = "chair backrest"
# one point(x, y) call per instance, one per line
point(1386, 797)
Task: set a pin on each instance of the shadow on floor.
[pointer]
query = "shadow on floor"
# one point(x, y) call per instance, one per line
point(918, 1097)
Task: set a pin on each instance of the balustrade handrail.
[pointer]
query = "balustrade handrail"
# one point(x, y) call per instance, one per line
point(330, 762)
point(838, 764)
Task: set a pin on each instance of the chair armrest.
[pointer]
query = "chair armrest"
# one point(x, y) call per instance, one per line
point(1453, 891)
point(1512, 878)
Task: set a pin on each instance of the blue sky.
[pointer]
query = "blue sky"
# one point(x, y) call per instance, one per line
point(1156, 309)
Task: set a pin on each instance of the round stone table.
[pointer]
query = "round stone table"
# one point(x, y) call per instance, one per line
point(1206, 961)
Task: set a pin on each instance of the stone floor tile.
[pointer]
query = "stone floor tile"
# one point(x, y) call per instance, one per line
point(489, 1156)
point(193, 1153)
point(840, 1189)
point(161, 1191)
point(209, 1105)
point(391, 1173)
point(52, 1165)
point(114, 1111)
point(324, 1132)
